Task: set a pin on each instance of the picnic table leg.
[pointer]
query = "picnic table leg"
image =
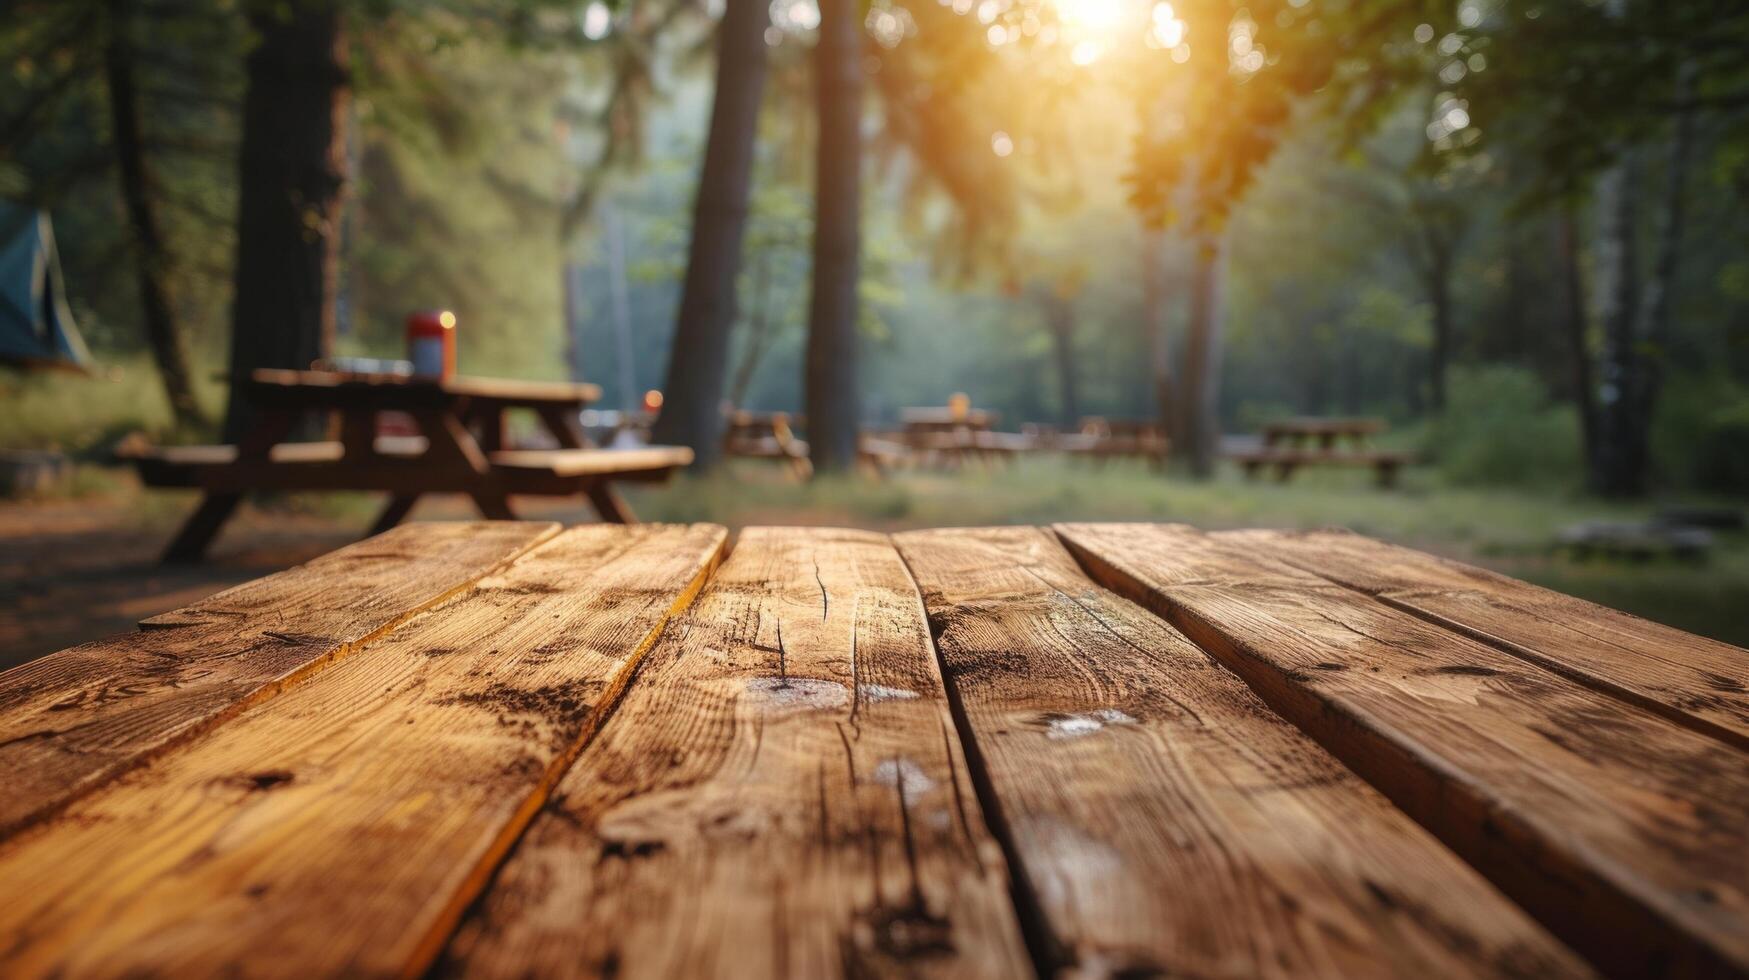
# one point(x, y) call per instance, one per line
point(394, 512)
point(609, 504)
point(493, 506)
point(201, 527)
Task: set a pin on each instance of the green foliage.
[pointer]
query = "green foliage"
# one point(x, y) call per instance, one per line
point(1701, 435)
point(1500, 428)
point(88, 415)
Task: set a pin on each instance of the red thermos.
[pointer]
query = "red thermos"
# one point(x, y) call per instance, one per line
point(431, 343)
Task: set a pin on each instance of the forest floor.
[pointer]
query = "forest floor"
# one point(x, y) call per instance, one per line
point(81, 566)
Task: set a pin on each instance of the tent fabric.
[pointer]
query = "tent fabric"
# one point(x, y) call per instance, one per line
point(36, 325)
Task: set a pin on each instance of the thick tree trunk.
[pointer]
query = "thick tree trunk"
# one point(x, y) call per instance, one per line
point(1157, 327)
point(1618, 469)
point(151, 251)
point(1202, 353)
point(832, 401)
point(691, 414)
point(291, 177)
point(1576, 324)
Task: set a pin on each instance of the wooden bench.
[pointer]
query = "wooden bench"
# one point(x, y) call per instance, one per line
point(1284, 462)
point(399, 467)
point(1118, 750)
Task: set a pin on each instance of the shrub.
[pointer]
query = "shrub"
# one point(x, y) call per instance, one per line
point(1500, 427)
point(1701, 434)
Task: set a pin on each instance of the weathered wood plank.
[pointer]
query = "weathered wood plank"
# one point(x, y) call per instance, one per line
point(1624, 833)
point(1134, 772)
point(74, 719)
point(781, 793)
point(1700, 683)
point(343, 827)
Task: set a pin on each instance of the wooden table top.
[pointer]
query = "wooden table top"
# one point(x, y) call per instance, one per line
point(499, 748)
point(329, 386)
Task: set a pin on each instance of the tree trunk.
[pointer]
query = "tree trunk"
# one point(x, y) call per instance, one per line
point(291, 176)
point(832, 402)
point(1661, 289)
point(151, 252)
point(1573, 299)
point(1060, 319)
point(571, 288)
point(1202, 353)
point(1157, 327)
point(759, 332)
point(619, 302)
point(1618, 471)
point(691, 413)
point(1439, 294)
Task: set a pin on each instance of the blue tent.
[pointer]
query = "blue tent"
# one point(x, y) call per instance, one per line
point(36, 327)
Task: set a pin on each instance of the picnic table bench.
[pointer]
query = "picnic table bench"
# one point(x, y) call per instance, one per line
point(1104, 750)
point(462, 447)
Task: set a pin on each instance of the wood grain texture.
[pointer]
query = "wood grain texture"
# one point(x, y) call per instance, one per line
point(74, 719)
point(1168, 822)
point(781, 793)
point(1624, 833)
point(1700, 683)
point(343, 827)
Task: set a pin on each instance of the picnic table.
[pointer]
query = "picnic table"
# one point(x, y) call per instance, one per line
point(1324, 433)
point(1289, 444)
point(462, 446)
point(1101, 439)
point(944, 434)
point(1103, 750)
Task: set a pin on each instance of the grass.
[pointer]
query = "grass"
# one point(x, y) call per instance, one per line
point(1510, 530)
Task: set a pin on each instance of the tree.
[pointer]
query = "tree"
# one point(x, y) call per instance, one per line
point(151, 251)
point(831, 383)
point(1212, 115)
point(291, 174)
point(691, 414)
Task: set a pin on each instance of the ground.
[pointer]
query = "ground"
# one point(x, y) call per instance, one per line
point(82, 566)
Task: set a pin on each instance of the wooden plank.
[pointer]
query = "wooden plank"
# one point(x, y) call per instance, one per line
point(333, 388)
point(343, 828)
point(780, 794)
point(1624, 833)
point(1700, 683)
point(75, 719)
point(585, 462)
point(1124, 758)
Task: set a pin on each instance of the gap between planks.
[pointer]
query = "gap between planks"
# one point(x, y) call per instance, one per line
point(781, 792)
point(345, 825)
point(1620, 830)
point(1695, 682)
point(1161, 819)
